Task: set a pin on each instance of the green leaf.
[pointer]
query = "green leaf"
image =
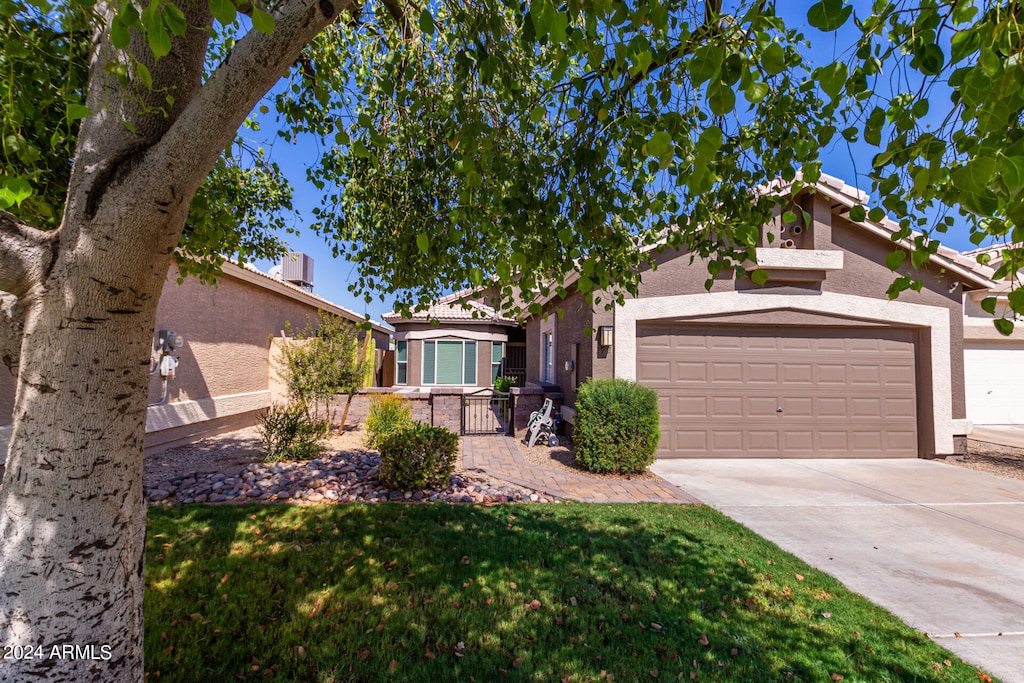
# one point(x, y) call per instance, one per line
point(423, 242)
point(427, 22)
point(721, 98)
point(223, 11)
point(15, 191)
point(828, 15)
point(77, 111)
point(1004, 326)
point(759, 277)
point(930, 60)
point(262, 22)
point(174, 18)
point(143, 72)
point(873, 127)
point(660, 144)
point(858, 213)
point(876, 214)
point(773, 59)
point(756, 92)
point(119, 35)
point(894, 260)
point(832, 78)
point(706, 63)
point(1012, 171)
point(988, 304)
point(159, 39)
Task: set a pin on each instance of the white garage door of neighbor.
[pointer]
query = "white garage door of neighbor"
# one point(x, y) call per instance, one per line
point(994, 376)
point(777, 392)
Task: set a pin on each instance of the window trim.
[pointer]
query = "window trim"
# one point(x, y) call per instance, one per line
point(462, 365)
point(500, 363)
point(399, 363)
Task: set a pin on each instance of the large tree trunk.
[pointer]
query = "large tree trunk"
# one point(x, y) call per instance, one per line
point(73, 514)
point(82, 301)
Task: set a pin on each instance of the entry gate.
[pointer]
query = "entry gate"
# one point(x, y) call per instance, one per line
point(486, 412)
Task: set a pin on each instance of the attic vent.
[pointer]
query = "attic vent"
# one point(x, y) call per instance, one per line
point(297, 268)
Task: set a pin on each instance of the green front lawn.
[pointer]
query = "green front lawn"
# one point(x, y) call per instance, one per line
point(517, 592)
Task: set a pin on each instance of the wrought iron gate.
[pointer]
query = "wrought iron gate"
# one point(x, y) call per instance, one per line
point(486, 412)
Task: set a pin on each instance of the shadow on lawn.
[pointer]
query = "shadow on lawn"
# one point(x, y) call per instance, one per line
point(366, 593)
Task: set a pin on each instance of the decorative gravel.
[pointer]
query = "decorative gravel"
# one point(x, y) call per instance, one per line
point(993, 458)
point(339, 476)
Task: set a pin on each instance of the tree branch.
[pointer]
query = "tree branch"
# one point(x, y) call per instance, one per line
point(12, 320)
point(26, 255)
point(210, 121)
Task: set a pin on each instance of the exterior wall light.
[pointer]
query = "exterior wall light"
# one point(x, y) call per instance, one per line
point(604, 335)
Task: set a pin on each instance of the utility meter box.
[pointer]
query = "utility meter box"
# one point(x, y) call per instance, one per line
point(169, 340)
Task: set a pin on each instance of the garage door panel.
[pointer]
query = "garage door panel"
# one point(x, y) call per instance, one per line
point(762, 373)
point(722, 372)
point(695, 372)
point(870, 408)
point(832, 407)
point(686, 407)
point(853, 396)
point(654, 372)
point(994, 379)
point(762, 406)
point(726, 406)
point(865, 374)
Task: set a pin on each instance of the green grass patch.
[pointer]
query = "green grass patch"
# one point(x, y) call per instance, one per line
point(518, 593)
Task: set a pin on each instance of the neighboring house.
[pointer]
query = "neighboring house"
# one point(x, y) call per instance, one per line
point(993, 363)
point(466, 347)
point(817, 363)
point(223, 375)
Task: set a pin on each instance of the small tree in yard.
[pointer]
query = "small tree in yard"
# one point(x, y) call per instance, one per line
point(322, 362)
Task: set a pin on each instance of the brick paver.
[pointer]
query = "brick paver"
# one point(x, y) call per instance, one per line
point(499, 457)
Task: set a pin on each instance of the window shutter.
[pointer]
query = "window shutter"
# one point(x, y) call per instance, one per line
point(428, 362)
point(469, 361)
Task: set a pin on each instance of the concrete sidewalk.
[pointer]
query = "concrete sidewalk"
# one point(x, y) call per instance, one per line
point(940, 546)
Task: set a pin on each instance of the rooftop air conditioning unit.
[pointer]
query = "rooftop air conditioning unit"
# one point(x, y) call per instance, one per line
point(297, 268)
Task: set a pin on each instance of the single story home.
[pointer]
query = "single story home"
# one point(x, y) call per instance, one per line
point(816, 363)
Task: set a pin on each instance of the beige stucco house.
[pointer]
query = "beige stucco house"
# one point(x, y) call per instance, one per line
point(223, 376)
point(817, 363)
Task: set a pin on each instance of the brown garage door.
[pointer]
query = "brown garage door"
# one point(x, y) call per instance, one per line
point(755, 391)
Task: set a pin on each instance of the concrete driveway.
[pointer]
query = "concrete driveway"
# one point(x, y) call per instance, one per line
point(938, 545)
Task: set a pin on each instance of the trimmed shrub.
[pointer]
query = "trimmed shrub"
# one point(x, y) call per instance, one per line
point(418, 457)
point(388, 413)
point(289, 432)
point(617, 426)
point(504, 384)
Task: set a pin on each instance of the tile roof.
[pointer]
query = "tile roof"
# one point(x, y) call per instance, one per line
point(454, 308)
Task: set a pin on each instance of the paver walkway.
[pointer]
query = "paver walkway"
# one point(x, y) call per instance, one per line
point(499, 457)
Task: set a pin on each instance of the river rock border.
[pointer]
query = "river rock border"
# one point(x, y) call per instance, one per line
point(340, 478)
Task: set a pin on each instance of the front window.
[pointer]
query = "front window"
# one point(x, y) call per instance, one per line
point(548, 351)
point(449, 362)
point(402, 362)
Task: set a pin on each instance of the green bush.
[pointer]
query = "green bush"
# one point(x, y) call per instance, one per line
point(289, 432)
point(388, 413)
point(617, 426)
point(504, 384)
point(418, 457)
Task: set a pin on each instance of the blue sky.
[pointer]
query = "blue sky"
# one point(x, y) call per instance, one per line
point(332, 276)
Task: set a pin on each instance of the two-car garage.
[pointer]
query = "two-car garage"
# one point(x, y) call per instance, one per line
point(782, 391)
